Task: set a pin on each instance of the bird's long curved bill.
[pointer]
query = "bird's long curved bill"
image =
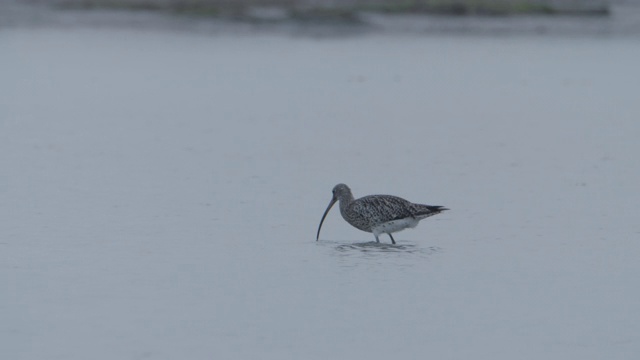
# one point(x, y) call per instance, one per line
point(333, 201)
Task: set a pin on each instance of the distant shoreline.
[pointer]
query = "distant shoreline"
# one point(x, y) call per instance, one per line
point(622, 18)
point(345, 11)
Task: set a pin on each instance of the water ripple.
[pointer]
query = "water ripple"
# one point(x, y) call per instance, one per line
point(376, 248)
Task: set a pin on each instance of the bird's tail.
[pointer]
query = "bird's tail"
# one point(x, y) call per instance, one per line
point(430, 210)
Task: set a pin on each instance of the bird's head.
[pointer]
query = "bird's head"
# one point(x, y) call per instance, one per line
point(340, 192)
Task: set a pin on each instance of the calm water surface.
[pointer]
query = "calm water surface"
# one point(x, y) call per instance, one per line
point(161, 192)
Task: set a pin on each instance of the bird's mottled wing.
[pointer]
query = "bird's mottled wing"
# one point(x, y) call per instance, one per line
point(377, 209)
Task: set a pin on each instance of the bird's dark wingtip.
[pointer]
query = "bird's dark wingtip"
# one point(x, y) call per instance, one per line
point(430, 210)
point(437, 208)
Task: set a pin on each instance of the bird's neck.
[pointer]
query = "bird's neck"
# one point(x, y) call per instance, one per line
point(345, 201)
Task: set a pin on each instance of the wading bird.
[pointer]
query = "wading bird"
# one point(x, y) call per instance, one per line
point(378, 214)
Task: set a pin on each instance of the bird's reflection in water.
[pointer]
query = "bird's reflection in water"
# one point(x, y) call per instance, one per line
point(373, 247)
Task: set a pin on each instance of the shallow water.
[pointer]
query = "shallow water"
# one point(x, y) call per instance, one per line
point(161, 194)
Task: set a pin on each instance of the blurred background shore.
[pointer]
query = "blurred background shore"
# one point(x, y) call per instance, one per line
point(589, 17)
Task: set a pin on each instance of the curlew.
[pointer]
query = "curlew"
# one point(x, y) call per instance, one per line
point(378, 214)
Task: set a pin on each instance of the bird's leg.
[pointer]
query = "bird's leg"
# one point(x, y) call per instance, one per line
point(377, 240)
point(392, 241)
